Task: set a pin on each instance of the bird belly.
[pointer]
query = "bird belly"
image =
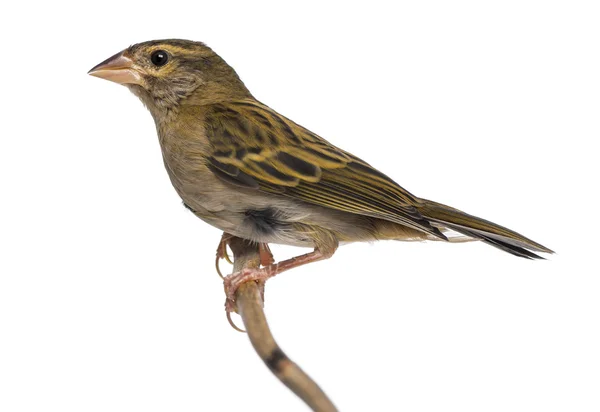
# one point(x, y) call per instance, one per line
point(254, 221)
point(260, 216)
point(266, 218)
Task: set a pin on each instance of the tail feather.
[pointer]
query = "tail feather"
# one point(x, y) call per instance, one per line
point(484, 230)
point(501, 244)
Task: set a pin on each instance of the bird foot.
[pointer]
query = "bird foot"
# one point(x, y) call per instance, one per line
point(232, 282)
point(235, 280)
point(266, 257)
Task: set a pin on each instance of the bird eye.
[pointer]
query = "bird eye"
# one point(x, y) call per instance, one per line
point(159, 58)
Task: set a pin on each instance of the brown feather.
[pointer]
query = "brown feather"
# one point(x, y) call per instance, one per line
point(324, 175)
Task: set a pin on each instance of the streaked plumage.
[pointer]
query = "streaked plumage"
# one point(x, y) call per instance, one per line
point(246, 169)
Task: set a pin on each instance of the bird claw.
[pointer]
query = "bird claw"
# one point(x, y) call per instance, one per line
point(222, 253)
point(232, 282)
point(226, 255)
point(232, 324)
point(266, 257)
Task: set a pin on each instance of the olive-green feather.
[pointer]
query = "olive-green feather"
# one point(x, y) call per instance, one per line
point(489, 232)
point(257, 147)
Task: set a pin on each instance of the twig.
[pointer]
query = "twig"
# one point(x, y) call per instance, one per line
point(249, 302)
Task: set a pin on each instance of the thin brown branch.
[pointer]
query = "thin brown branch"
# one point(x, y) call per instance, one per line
point(249, 301)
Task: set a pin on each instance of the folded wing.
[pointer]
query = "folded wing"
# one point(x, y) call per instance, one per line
point(257, 148)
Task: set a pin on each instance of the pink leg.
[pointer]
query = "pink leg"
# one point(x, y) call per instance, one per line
point(266, 257)
point(233, 281)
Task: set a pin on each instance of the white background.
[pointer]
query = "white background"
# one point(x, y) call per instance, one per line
point(108, 296)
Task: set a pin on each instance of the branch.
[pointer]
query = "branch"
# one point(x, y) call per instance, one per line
point(249, 301)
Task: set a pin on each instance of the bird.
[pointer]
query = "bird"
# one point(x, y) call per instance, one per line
point(253, 173)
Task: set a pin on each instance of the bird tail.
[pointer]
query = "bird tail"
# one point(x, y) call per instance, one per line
point(484, 230)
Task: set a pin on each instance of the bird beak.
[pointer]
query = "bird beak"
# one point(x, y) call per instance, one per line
point(119, 69)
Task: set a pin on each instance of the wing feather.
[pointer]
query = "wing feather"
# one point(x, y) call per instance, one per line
point(255, 147)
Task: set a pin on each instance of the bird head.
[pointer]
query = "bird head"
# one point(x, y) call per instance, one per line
point(165, 74)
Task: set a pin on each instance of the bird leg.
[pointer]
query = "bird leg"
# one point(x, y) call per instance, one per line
point(266, 257)
point(232, 282)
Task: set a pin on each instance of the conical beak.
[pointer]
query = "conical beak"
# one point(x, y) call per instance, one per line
point(118, 69)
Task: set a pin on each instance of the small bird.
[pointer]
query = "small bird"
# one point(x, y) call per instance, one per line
point(242, 167)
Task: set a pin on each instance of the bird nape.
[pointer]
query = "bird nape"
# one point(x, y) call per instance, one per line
point(246, 169)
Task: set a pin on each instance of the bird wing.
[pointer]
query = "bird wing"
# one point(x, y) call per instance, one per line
point(255, 147)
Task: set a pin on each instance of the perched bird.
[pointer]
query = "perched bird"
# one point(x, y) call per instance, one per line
point(255, 174)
